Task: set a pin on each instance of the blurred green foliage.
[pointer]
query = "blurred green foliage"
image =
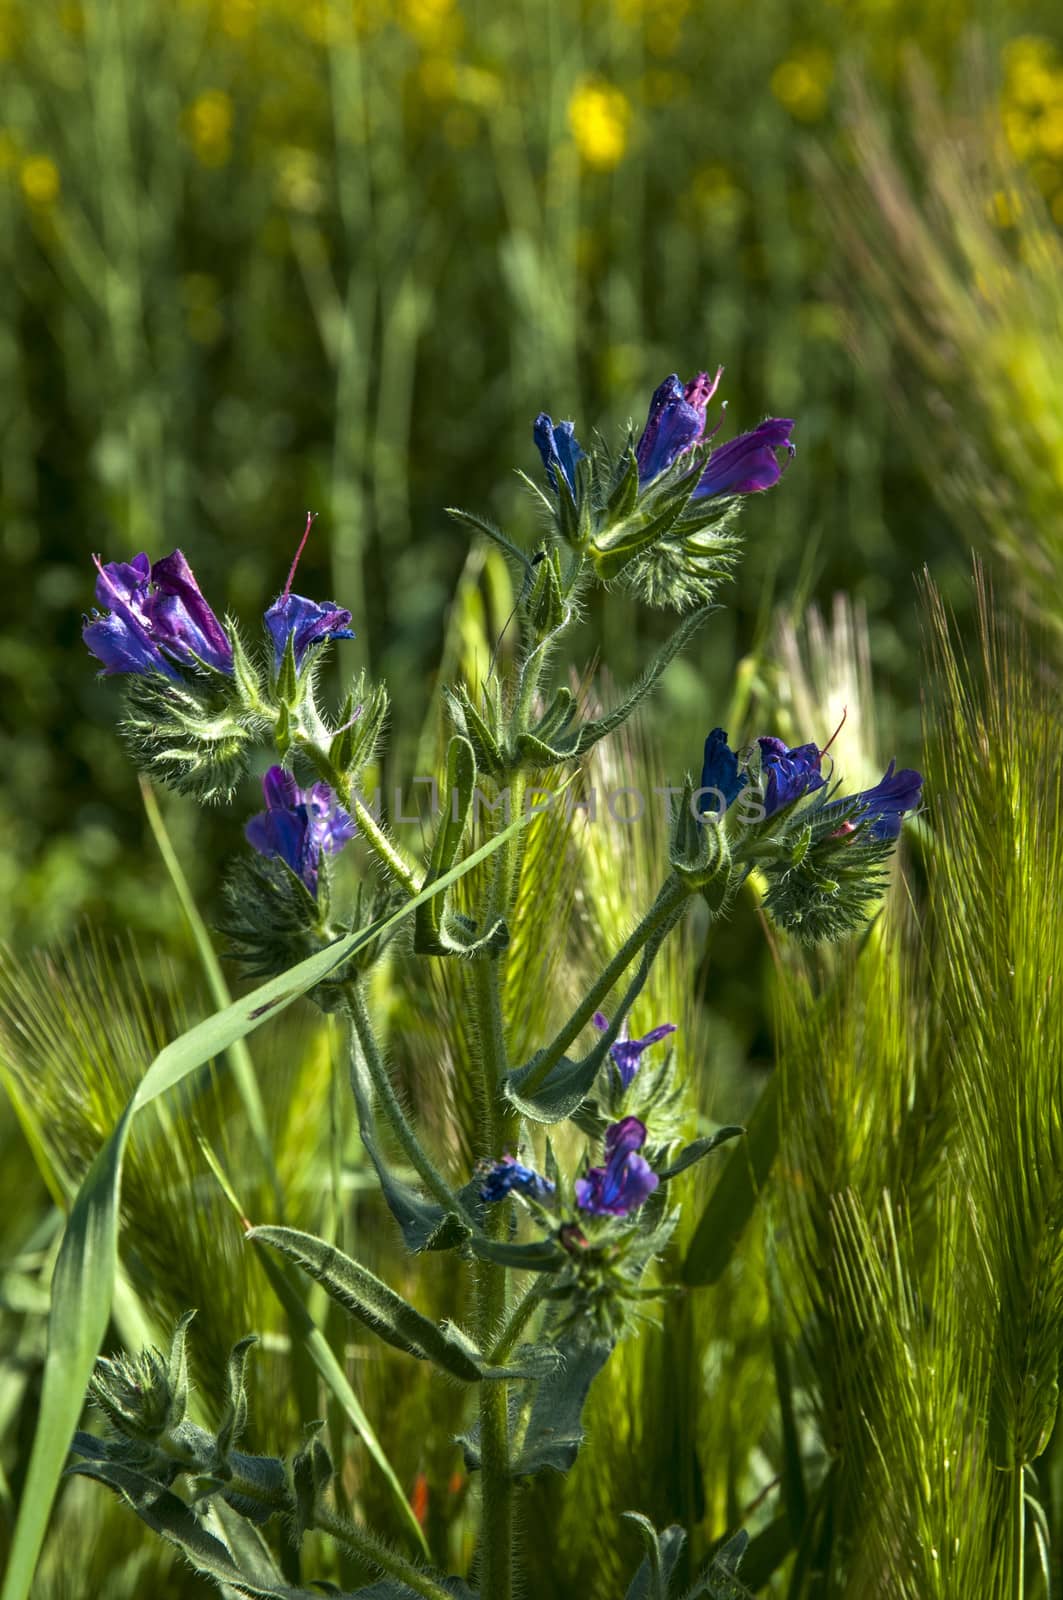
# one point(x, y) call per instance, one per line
point(260, 254)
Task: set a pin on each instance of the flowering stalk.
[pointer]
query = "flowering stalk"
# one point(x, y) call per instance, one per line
point(658, 517)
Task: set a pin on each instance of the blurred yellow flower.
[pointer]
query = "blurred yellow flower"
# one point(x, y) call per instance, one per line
point(801, 84)
point(299, 185)
point(1005, 208)
point(1028, 62)
point(1050, 130)
point(1019, 132)
point(438, 77)
point(208, 122)
point(238, 17)
point(599, 115)
point(435, 23)
point(39, 177)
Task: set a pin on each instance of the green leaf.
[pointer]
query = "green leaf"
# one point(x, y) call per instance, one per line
point(730, 1205)
point(469, 719)
point(235, 1419)
point(622, 500)
point(391, 1589)
point(699, 1149)
point(311, 1475)
point(659, 1563)
point(717, 1580)
point(83, 1278)
point(489, 531)
point(238, 1055)
point(591, 732)
point(166, 1514)
point(373, 1302)
point(540, 1255)
point(246, 1545)
point(438, 931)
point(177, 1372)
point(564, 1089)
point(285, 1283)
point(554, 1431)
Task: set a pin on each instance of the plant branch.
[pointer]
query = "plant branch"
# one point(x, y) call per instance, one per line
point(655, 925)
point(366, 1545)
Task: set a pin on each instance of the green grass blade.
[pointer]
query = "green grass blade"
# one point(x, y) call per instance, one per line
point(731, 1202)
point(84, 1273)
point(239, 1056)
point(284, 1282)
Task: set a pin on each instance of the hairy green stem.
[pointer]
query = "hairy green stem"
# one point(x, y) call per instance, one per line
point(518, 1319)
point(373, 834)
point(366, 1545)
point(381, 845)
point(496, 1521)
point(661, 917)
point(415, 1152)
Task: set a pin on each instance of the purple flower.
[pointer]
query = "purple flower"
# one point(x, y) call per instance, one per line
point(749, 463)
point(558, 447)
point(625, 1181)
point(675, 423)
point(508, 1175)
point(298, 825)
point(885, 804)
point(157, 619)
point(305, 622)
point(788, 774)
point(719, 774)
point(626, 1052)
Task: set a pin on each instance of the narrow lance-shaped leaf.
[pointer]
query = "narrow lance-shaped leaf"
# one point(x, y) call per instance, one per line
point(692, 1153)
point(168, 1515)
point(438, 930)
point(373, 1302)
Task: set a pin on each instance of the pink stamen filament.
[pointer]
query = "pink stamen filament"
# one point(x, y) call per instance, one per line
point(834, 735)
point(311, 517)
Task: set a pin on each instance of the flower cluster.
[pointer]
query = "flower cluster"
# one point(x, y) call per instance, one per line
point(298, 825)
point(615, 1189)
point(159, 631)
point(789, 774)
point(662, 512)
point(625, 1181)
point(746, 464)
point(509, 1176)
point(158, 621)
